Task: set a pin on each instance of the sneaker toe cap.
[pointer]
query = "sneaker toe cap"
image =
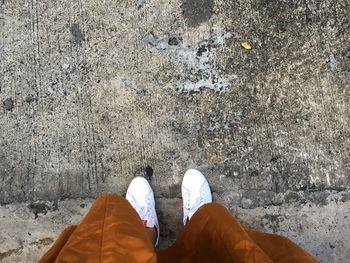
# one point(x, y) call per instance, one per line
point(193, 179)
point(139, 186)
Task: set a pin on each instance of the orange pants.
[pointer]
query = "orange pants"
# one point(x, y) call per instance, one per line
point(112, 231)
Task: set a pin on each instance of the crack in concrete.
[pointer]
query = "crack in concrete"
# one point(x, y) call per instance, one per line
point(9, 253)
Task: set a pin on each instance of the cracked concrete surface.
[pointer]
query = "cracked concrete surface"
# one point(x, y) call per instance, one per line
point(91, 93)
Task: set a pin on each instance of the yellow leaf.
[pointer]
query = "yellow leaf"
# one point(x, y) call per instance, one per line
point(246, 45)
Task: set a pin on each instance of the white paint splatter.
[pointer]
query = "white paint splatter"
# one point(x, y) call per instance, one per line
point(333, 61)
point(328, 179)
point(198, 62)
point(312, 179)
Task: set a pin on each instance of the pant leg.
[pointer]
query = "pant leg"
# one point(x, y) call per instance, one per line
point(112, 231)
point(280, 249)
point(51, 255)
point(214, 235)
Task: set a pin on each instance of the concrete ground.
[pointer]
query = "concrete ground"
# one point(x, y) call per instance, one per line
point(254, 93)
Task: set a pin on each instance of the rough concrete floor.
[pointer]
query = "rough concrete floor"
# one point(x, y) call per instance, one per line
point(93, 92)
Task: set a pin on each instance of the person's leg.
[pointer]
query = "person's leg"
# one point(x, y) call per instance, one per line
point(51, 255)
point(140, 196)
point(152, 234)
point(212, 234)
point(279, 248)
point(111, 232)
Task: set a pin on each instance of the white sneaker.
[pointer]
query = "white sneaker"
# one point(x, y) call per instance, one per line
point(195, 193)
point(140, 196)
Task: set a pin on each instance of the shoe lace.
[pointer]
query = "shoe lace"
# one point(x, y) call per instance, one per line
point(198, 203)
point(143, 208)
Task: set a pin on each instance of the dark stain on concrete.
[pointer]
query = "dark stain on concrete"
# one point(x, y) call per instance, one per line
point(30, 99)
point(196, 12)
point(77, 34)
point(292, 197)
point(174, 41)
point(273, 221)
point(42, 207)
point(201, 50)
point(10, 252)
point(345, 197)
point(174, 190)
point(38, 208)
point(149, 172)
point(319, 197)
point(8, 104)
